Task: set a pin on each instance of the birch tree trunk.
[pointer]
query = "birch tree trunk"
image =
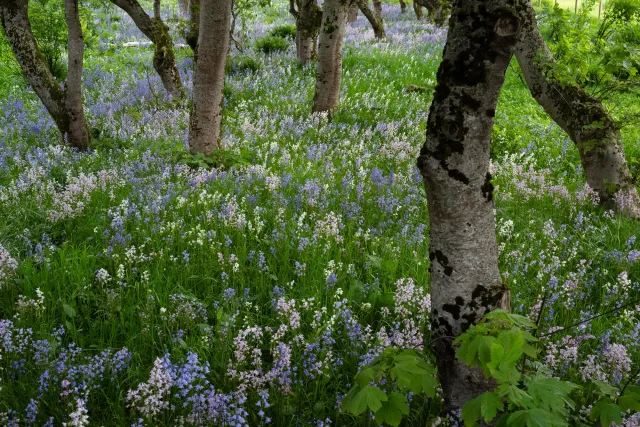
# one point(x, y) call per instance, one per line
point(374, 19)
point(582, 117)
point(329, 74)
point(208, 80)
point(308, 19)
point(63, 104)
point(164, 61)
point(454, 162)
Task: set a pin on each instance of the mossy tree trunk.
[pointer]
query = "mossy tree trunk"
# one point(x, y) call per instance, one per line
point(582, 117)
point(63, 104)
point(377, 7)
point(454, 162)
point(438, 10)
point(417, 8)
point(374, 19)
point(164, 61)
point(403, 6)
point(208, 80)
point(193, 26)
point(308, 19)
point(329, 74)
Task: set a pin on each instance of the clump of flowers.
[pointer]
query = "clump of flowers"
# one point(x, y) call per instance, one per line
point(8, 265)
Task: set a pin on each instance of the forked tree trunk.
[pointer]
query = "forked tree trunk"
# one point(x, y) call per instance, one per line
point(308, 19)
point(208, 80)
point(582, 117)
point(352, 16)
point(454, 162)
point(374, 19)
point(417, 8)
point(63, 104)
point(329, 75)
point(377, 7)
point(164, 61)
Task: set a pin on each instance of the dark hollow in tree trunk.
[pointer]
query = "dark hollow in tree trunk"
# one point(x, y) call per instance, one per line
point(308, 19)
point(454, 162)
point(329, 75)
point(208, 80)
point(63, 104)
point(582, 117)
point(157, 32)
point(374, 19)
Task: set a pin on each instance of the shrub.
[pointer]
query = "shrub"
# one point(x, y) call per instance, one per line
point(271, 44)
point(241, 64)
point(284, 31)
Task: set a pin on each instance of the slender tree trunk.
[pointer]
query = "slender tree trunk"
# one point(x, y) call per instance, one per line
point(377, 7)
point(78, 132)
point(374, 19)
point(308, 19)
point(417, 9)
point(582, 117)
point(403, 6)
point(193, 26)
point(438, 10)
point(208, 80)
point(164, 61)
point(465, 279)
point(64, 105)
point(352, 16)
point(329, 75)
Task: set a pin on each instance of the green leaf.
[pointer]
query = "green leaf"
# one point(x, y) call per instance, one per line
point(551, 394)
point(535, 417)
point(368, 397)
point(605, 389)
point(606, 411)
point(515, 395)
point(364, 377)
point(392, 410)
point(486, 406)
point(69, 311)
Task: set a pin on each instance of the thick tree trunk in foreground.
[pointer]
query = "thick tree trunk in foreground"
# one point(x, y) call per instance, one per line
point(465, 280)
point(329, 75)
point(164, 61)
point(374, 19)
point(582, 117)
point(64, 105)
point(352, 16)
point(308, 19)
point(208, 79)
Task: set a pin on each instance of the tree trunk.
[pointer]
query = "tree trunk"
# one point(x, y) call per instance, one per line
point(164, 61)
point(208, 80)
point(193, 26)
point(78, 131)
point(454, 162)
point(329, 75)
point(308, 20)
point(183, 5)
point(352, 16)
point(374, 19)
point(582, 117)
point(417, 9)
point(64, 105)
point(403, 6)
point(377, 7)
point(438, 10)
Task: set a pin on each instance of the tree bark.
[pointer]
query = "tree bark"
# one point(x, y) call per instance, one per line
point(63, 104)
point(164, 61)
point(193, 27)
point(377, 7)
point(374, 19)
point(438, 10)
point(308, 20)
point(582, 117)
point(329, 75)
point(454, 162)
point(417, 8)
point(352, 16)
point(403, 6)
point(208, 80)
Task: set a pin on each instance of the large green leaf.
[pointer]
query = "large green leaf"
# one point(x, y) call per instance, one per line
point(486, 406)
point(392, 410)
